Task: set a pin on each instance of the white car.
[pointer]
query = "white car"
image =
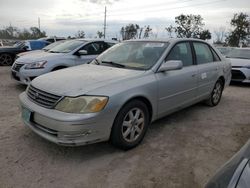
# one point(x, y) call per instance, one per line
point(69, 53)
point(240, 60)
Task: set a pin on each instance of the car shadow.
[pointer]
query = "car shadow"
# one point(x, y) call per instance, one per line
point(88, 152)
point(239, 84)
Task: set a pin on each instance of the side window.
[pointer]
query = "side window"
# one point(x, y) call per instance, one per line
point(181, 51)
point(203, 53)
point(94, 48)
point(109, 44)
point(216, 57)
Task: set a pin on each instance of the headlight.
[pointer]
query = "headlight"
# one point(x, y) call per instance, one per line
point(81, 105)
point(36, 65)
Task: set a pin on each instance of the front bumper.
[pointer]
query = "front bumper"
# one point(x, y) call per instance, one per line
point(25, 76)
point(241, 75)
point(65, 128)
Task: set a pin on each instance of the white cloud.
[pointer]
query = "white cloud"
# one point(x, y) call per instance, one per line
point(66, 17)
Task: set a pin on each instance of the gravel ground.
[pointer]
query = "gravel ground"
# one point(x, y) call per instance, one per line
point(182, 150)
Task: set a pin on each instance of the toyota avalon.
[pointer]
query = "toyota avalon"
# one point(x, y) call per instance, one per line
point(123, 90)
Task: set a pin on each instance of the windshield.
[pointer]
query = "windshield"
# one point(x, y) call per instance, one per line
point(134, 54)
point(19, 44)
point(50, 46)
point(239, 53)
point(67, 46)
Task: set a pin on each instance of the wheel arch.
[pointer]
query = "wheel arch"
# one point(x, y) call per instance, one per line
point(144, 100)
point(223, 80)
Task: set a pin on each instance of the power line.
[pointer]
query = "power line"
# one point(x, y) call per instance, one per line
point(171, 8)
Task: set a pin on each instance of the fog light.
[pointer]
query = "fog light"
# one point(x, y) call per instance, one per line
point(74, 135)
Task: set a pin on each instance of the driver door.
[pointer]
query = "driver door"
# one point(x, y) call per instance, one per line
point(177, 88)
point(93, 50)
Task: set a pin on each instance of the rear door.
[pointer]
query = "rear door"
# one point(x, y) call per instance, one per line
point(207, 68)
point(177, 88)
point(93, 50)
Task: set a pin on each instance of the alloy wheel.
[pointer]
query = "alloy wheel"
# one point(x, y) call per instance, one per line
point(217, 92)
point(5, 59)
point(133, 125)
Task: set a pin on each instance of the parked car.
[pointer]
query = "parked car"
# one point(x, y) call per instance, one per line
point(225, 50)
point(45, 49)
point(123, 90)
point(66, 54)
point(52, 39)
point(235, 173)
point(8, 53)
point(240, 60)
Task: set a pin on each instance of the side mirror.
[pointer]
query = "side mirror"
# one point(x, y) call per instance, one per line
point(25, 48)
point(170, 65)
point(82, 52)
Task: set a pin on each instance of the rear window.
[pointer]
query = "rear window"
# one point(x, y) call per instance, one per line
point(203, 53)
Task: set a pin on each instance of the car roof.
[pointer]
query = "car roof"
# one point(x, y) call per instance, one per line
point(242, 48)
point(36, 41)
point(170, 40)
point(95, 40)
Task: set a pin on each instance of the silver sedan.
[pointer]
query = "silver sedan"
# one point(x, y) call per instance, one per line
point(123, 90)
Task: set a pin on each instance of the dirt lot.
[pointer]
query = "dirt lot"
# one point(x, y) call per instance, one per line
point(182, 150)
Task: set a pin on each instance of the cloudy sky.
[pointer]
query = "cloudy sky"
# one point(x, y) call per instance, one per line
point(64, 18)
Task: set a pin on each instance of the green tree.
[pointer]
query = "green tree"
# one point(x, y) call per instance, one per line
point(170, 30)
point(147, 32)
point(100, 34)
point(205, 35)
point(189, 26)
point(80, 34)
point(130, 31)
point(240, 24)
point(36, 33)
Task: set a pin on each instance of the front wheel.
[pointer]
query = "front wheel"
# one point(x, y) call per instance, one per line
point(216, 94)
point(130, 125)
point(6, 59)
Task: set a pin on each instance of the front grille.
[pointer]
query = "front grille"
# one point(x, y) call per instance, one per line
point(238, 75)
point(17, 67)
point(236, 66)
point(15, 76)
point(42, 98)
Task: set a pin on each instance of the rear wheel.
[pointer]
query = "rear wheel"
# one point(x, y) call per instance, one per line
point(130, 125)
point(6, 59)
point(215, 96)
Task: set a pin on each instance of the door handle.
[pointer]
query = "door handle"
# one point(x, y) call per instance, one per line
point(193, 75)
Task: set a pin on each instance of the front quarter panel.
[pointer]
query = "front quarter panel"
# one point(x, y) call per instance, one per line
point(120, 93)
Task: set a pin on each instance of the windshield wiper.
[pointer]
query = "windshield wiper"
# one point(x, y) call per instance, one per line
point(114, 64)
point(51, 51)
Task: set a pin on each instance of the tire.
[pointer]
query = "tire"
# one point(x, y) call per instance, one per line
point(6, 59)
point(216, 94)
point(130, 125)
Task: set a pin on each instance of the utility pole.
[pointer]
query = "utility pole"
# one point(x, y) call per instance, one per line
point(105, 23)
point(39, 24)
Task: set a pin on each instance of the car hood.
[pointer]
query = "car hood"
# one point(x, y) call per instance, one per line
point(239, 62)
point(40, 56)
point(80, 80)
point(30, 52)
